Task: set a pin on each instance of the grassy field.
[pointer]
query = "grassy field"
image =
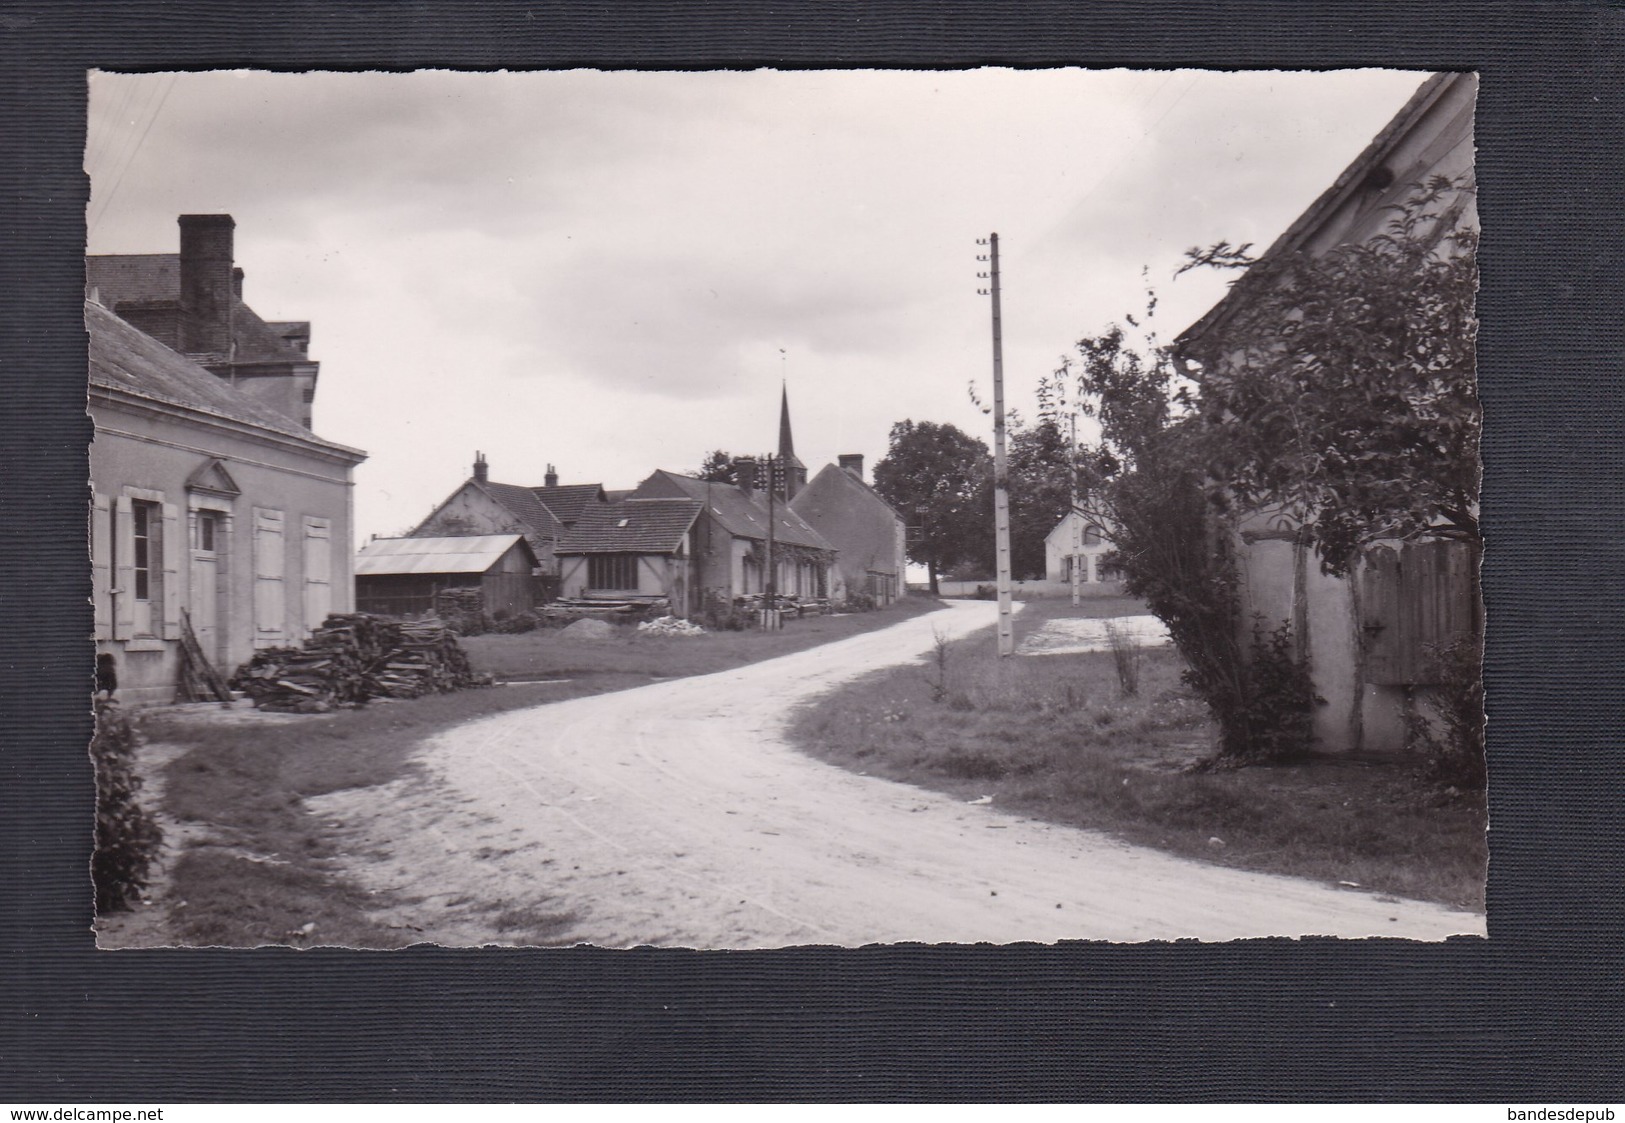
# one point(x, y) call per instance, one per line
point(258, 868)
point(550, 653)
point(1054, 737)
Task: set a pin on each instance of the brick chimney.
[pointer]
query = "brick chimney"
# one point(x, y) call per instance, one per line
point(851, 462)
point(552, 477)
point(481, 469)
point(237, 283)
point(207, 284)
point(745, 473)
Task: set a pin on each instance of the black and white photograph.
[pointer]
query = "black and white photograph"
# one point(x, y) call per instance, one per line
point(772, 508)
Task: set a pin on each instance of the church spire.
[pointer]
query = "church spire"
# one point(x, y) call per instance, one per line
point(787, 444)
point(792, 475)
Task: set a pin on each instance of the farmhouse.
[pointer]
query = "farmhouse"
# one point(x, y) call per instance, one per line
point(868, 535)
point(1366, 639)
point(1077, 540)
point(635, 549)
point(480, 506)
point(214, 506)
point(401, 576)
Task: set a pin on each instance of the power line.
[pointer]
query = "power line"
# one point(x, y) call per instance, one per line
point(135, 149)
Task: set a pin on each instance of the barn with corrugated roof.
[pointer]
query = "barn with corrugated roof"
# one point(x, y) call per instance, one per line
point(402, 576)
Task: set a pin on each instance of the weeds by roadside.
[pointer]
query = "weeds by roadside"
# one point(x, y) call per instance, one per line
point(1057, 737)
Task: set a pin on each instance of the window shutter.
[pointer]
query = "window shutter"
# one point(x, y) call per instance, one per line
point(270, 608)
point(318, 571)
point(123, 591)
point(171, 548)
point(101, 572)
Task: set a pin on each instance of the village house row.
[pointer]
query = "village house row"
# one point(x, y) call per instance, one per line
point(215, 505)
point(217, 513)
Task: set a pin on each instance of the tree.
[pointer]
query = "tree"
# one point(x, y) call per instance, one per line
point(719, 468)
point(1040, 467)
point(939, 479)
point(1342, 391)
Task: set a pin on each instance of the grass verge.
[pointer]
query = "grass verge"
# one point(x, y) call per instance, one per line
point(1054, 737)
point(549, 653)
point(261, 870)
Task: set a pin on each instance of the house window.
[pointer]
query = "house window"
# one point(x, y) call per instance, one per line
point(612, 571)
point(147, 522)
point(1091, 535)
point(208, 527)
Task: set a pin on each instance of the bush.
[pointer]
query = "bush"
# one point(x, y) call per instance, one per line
point(1280, 701)
point(1448, 728)
point(719, 614)
point(127, 838)
point(1126, 658)
point(861, 602)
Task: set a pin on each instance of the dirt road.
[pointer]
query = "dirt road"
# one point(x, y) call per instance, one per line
point(676, 815)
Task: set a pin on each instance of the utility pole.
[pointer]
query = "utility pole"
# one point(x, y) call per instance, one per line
point(1072, 510)
point(1001, 477)
point(772, 570)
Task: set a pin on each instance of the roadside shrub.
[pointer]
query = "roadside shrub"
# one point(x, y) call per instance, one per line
point(936, 676)
point(1279, 711)
point(1126, 658)
point(127, 838)
point(719, 614)
point(860, 602)
point(1447, 728)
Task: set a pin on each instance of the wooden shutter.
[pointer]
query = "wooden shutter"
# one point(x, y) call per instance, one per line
point(171, 549)
point(101, 571)
point(270, 607)
point(318, 571)
point(123, 591)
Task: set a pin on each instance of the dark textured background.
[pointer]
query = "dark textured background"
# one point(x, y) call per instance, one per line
point(1534, 1013)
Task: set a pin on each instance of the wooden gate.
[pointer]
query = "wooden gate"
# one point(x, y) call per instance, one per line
point(1415, 598)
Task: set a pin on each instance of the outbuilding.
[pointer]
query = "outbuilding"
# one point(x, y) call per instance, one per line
point(401, 576)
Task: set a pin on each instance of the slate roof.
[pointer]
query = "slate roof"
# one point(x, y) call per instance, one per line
point(847, 479)
point(523, 503)
point(155, 278)
point(742, 515)
point(124, 358)
point(473, 554)
point(632, 526)
point(568, 501)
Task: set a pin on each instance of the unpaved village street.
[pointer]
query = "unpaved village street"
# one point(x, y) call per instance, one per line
point(676, 815)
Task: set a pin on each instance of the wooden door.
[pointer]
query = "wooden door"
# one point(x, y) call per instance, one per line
point(204, 603)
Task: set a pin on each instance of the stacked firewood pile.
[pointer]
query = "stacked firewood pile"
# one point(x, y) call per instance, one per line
point(463, 610)
point(355, 657)
point(567, 610)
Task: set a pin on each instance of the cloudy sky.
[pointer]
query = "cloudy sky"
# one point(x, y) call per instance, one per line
point(613, 272)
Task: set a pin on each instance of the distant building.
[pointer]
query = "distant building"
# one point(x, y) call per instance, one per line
point(213, 503)
point(401, 576)
point(1078, 540)
point(480, 506)
point(869, 536)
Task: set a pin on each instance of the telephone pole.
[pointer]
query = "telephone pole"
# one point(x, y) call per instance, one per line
point(1072, 510)
point(1001, 477)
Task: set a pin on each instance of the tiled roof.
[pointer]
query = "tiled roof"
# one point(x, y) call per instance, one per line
point(124, 358)
point(632, 526)
point(473, 554)
point(742, 515)
point(146, 278)
point(840, 476)
point(567, 502)
point(523, 503)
